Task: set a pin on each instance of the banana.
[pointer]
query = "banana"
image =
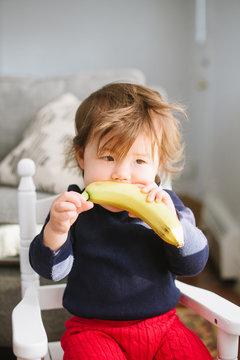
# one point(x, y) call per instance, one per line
point(129, 197)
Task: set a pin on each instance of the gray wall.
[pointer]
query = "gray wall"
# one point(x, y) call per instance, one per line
point(48, 37)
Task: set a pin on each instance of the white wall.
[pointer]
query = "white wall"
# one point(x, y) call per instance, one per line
point(61, 36)
point(216, 109)
point(47, 37)
point(226, 139)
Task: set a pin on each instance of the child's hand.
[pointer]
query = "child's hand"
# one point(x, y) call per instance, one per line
point(156, 193)
point(64, 212)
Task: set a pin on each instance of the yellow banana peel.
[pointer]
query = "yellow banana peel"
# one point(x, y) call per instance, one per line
point(129, 197)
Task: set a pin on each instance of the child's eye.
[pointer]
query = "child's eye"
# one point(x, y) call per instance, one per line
point(108, 158)
point(140, 161)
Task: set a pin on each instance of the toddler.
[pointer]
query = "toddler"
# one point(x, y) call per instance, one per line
point(120, 275)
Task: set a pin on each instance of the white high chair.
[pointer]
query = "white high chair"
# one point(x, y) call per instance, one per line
point(29, 337)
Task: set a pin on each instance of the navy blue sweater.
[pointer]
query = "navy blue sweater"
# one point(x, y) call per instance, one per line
point(117, 267)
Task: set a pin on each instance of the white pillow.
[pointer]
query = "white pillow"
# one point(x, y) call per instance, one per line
point(46, 142)
point(10, 239)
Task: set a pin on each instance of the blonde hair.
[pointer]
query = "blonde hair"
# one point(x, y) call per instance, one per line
point(123, 111)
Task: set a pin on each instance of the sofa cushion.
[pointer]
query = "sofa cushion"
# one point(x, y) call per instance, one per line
point(22, 97)
point(46, 143)
point(84, 83)
point(9, 208)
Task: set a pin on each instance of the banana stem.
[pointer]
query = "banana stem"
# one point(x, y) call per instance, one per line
point(85, 195)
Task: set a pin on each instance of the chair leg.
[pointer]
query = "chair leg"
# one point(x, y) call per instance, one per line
point(227, 346)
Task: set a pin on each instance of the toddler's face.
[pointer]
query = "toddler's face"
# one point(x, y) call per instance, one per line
point(139, 166)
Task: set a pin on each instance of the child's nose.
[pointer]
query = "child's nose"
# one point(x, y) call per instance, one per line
point(121, 172)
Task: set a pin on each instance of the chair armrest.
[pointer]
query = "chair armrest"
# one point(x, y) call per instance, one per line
point(217, 310)
point(29, 336)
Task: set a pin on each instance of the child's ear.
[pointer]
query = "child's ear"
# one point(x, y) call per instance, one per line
point(80, 157)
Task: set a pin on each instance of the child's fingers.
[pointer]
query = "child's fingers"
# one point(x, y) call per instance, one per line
point(159, 196)
point(168, 202)
point(153, 190)
point(132, 215)
point(166, 199)
point(67, 215)
point(65, 210)
point(154, 195)
point(63, 206)
point(80, 202)
point(70, 200)
point(73, 197)
point(147, 188)
point(85, 206)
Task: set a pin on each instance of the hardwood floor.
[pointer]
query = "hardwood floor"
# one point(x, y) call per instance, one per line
point(209, 279)
point(6, 354)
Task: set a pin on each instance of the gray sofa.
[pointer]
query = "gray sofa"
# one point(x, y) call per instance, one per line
point(30, 110)
point(21, 99)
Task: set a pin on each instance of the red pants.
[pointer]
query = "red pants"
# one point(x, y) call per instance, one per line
point(163, 337)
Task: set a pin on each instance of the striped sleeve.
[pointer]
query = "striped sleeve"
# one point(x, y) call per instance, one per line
point(47, 263)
